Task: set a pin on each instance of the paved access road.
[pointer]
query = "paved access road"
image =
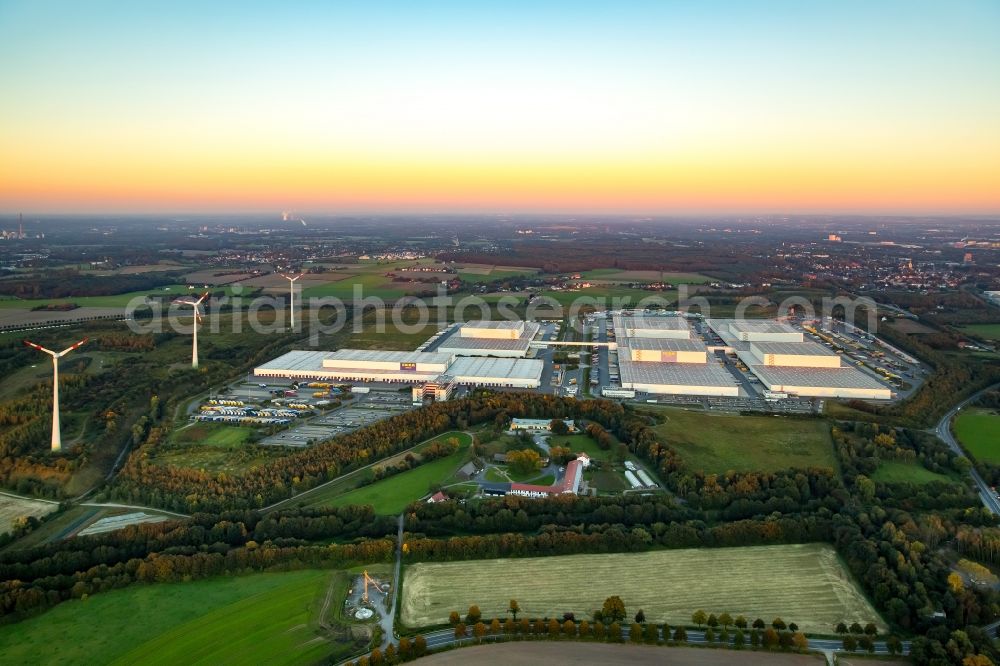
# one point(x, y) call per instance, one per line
point(445, 637)
point(943, 431)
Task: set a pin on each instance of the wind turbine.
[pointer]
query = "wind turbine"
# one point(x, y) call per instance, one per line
point(197, 318)
point(56, 439)
point(291, 296)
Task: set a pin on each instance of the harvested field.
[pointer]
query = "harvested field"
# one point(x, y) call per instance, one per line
point(12, 508)
point(805, 584)
point(566, 653)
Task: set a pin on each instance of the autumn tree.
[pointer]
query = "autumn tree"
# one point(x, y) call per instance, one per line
point(725, 619)
point(454, 618)
point(460, 630)
point(479, 630)
point(635, 632)
point(473, 615)
point(699, 617)
point(514, 608)
point(613, 609)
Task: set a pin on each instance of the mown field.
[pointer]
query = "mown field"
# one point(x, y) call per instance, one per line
point(805, 584)
point(717, 443)
point(262, 618)
point(892, 471)
point(979, 432)
point(12, 508)
point(391, 495)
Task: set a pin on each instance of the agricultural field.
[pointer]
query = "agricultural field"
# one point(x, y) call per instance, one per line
point(261, 618)
point(12, 508)
point(979, 432)
point(114, 301)
point(892, 471)
point(609, 295)
point(667, 277)
point(391, 495)
point(987, 331)
point(717, 443)
point(667, 584)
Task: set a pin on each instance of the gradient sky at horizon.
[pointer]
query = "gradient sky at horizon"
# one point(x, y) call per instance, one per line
point(640, 107)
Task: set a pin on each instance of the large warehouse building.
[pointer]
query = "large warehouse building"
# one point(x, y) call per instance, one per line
point(505, 339)
point(354, 365)
point(657, 354)
point(784, 361)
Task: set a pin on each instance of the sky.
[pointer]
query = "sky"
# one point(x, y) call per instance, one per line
point(616, 107)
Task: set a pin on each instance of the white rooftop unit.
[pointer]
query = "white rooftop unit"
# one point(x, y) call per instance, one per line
point(666, 350)
point(752, 330)
point(794, 354)
point(495, 330)
point(639, 326)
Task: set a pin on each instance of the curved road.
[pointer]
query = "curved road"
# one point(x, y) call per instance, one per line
point(943, 431)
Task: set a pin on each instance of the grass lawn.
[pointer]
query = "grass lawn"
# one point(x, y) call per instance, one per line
point(390, 496)
point(214, 434)
point(979, 432)
point(581, 444)
point(667, 584)
point(717, 443)
point(892, 471)
point(261, 618)
point(988, 331)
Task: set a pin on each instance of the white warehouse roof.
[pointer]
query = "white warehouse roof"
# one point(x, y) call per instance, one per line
point(807, 348)
point(388, 356)
point(664, 344)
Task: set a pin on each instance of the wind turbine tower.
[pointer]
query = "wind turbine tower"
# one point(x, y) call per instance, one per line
point(56, 439)
point(291, 297)
point(197, 318)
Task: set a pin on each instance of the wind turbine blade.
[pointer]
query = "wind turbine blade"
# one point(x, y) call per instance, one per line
point(39, 348)
point(72, 347)
point(203, 297)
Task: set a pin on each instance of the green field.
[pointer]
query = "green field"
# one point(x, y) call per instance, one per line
point(987, 331)
point(813, 589)
point(114, 301)
point(668, 277)
point(581, 444)
point(391, 495)
point(261, 618)
point(979, 432)
point(891, 471)
point(371, 285)
point(214, 434)
point(214, 447)
point(606, 294)
point(717, 443)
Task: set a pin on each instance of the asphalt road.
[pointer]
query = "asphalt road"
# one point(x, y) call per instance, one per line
point(943, 431)
point(445, 637)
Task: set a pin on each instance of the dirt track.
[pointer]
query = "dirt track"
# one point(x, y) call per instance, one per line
point(559, 653)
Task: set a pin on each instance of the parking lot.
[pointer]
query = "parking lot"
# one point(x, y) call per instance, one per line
point(364, 410)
